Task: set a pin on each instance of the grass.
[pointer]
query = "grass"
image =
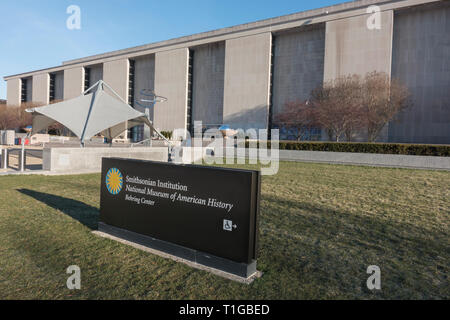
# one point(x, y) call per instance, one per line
point(321, 226)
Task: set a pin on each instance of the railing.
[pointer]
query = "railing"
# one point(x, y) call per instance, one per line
point(16, 159)
point(21, 157)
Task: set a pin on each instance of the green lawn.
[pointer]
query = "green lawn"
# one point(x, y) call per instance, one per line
point(321, 226)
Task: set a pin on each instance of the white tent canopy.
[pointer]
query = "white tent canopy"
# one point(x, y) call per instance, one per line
point(91, 113)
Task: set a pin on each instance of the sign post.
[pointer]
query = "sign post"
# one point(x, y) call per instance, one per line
point(207, 215)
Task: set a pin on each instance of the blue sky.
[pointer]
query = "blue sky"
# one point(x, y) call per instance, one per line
point(34, 35)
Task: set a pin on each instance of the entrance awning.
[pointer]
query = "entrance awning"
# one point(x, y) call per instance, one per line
point(94, 112)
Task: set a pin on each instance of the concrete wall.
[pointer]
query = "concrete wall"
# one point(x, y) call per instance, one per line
point(144, 78)
point(421, 60)
point(171, 71)
point(90, 159)
point(247, 78)
point(13, 92)
point(73, 82)
point(298, 65)
point(208, 83)
point(40, 90)
point(59, 86)
point(115, 74)
point(351, 48)
point(7, 137)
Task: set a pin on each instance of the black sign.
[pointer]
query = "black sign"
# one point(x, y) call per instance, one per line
point(210, 209)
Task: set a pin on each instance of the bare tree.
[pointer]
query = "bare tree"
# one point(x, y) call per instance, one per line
point(12, 117)
point(382, 99)
point(24, 118)
point(355, 123)
point(7, 117)
point(337, 107)
point(297, 115)
point(349, 104)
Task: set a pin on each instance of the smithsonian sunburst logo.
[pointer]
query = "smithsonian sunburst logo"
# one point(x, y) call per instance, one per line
point(114, 181)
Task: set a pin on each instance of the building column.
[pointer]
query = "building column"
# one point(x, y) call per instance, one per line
point(247, 81)
point(13, 92)
point(171, 74)
point(73, 82)
point(352, 48)
point(421, 61)
point(115, 74)
point(41, 89)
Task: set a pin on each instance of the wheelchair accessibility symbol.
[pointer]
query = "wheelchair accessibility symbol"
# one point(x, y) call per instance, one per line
point(228, 225)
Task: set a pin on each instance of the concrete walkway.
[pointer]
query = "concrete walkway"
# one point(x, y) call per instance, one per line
point(368, 159)
point(360, 159)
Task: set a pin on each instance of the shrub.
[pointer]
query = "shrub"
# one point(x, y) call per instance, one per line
point(167, 134)
point(381, 148)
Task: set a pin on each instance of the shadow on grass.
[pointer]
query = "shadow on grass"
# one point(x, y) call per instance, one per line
point(337, 246)
point(84, 213)
point(321, 222)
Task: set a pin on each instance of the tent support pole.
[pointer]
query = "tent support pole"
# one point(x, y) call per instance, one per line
point(94, 100)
